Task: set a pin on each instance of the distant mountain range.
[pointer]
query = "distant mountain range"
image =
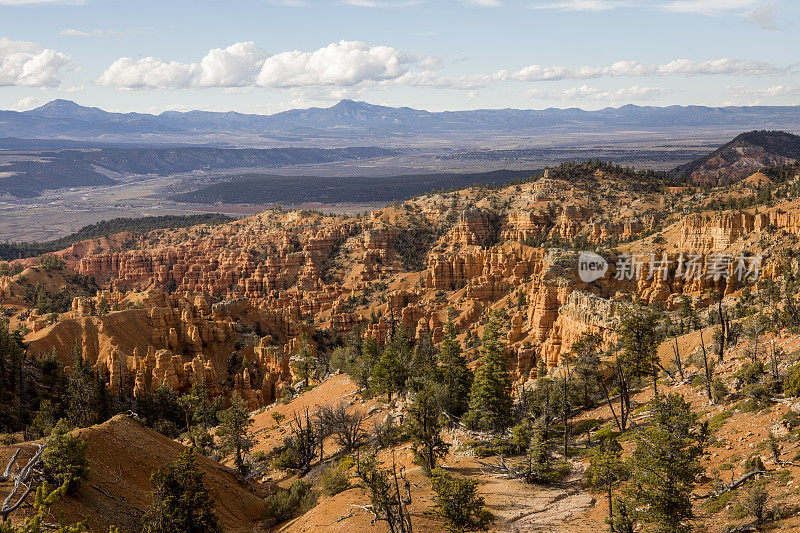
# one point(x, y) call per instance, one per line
point(747, 153)
point(348, 119)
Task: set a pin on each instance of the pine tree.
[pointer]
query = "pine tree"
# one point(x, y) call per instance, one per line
point(456, 376)
point(639, 337)
point(606, 470)
point(82, 390)
point(490, 399)
point(234, 431)
point(425, 429)
point(181, 500)
point(391, 371)
point(665, 465)
point(64, 459)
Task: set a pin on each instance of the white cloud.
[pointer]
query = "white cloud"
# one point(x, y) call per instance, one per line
point(484, 3)
point(711, 7)
point(378, 3)
point(587, 93)
point(345, 63)
point(582, 5)
point(72, 32)
point(765, 17)
point(28, 64)
point(29, 102)
point(342, 63)
point(233, 66)
point(148, 73)
point(427, 78)
point(677, 67)
point(770, 92)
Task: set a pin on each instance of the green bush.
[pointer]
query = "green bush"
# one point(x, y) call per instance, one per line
point(64, 459)
point(719, 391)
point(335, 479)
point(791, 384)
point(718, 420)
point(458, 504)
point(753, 462)
point(287, 459)
point(181, 500)
point(288, 503)
point(750, 373)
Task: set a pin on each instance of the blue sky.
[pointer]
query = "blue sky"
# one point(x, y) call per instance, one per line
point(264, 56)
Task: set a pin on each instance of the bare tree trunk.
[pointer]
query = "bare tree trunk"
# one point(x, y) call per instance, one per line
point(708, 373)
point(22, 482)
point(678, 362)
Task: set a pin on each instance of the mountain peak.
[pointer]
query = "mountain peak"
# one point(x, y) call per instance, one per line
point(745, 154)
point(61, 108)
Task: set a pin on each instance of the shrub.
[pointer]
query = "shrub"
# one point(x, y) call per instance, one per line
point(458, 504)
point(752, 463)
point(718, 420)
point(791, 384)
point(755, 499)
point(335, 479)
point(288, 503)
point(181, 500)
point(758, 391)
point(750, 373)
point(718, 390)
point(287, 459)
point(64, 459)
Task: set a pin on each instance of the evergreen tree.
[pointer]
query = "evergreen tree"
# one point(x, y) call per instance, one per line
point(665, 465)
point(425, 429)
point(490, 399)
point(639, 338)
point(64, 459)
point(304, 364)
point(606, 470)
point(424, 366)
point(391, 371)
point(182, 503)
point(456, 376)
point(82, 390)
point(234, 431)
point(10, 378)
point(458, 503)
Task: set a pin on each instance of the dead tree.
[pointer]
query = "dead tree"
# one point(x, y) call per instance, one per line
point(677, 353)
point(390, 494)
point(709, 373)
point(23, 481)
point(347, 428)
point(304, 441)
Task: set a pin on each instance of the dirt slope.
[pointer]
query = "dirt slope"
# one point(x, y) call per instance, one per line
point(122, 454)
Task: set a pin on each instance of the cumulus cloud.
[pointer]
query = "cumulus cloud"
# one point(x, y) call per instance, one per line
point(587, 93)
point(236, 65)
point(244, 64)
point(355, 64)
point(677, 67)
point(148, 73)
point(28, 64)
point(342, 63)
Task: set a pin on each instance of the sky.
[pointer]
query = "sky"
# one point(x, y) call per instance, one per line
point(266, 56)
